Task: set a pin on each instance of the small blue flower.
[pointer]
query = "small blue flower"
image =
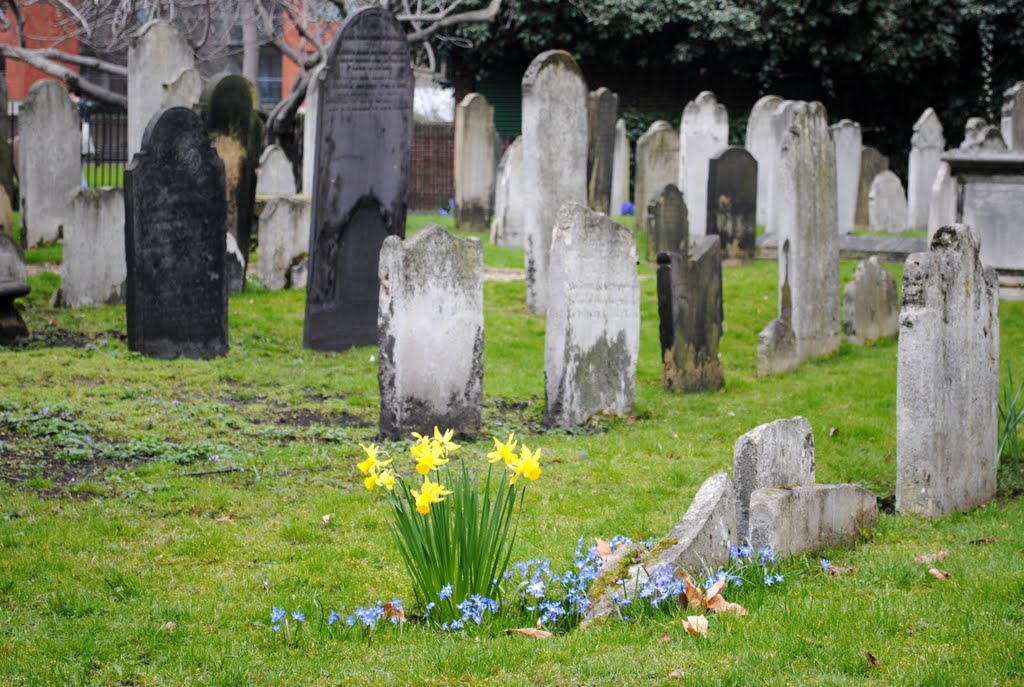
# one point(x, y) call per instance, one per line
point(536, 589)
point(333, 617)
point(299, 617)
point(446, 592)
point(455, 625)
point(767, 554)
point(350, 621)
point(443, 212)
point(275, 627)
point(745, 551)
point(769, 580)
point(779, 578)
point(825, 564)
point(429, 608)
point(277, 614)
point(627, 208)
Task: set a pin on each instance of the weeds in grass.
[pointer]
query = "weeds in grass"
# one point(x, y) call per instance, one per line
point(1011, 416)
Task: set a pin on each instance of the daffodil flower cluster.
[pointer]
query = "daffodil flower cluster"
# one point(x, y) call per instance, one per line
point(525, 464)
point(372, 475)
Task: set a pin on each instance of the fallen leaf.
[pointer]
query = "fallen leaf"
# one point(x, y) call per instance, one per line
point(675, 435)
point(532, 632)
point(832, 431)
point(872, 660)
point(169, 626)
point(984, 540)
point(696, 625)
point(327, 518)
point(714, 591)
point(666, 637)
point(603, 549)
point(230, 517)
point(931, 557)
point(53, 323)
point(393, 611)
point(938, 574)
point(837, 570)
point(692, 595)
point(718, 604)
point(676, 674)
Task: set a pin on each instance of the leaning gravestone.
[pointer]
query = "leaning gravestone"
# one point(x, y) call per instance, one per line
point(49, 163)
point(432, 282)
point(732, 202)
point(554, 159)
point(474, 163)
point(620, 168)
point(184, 90)
point(283, 247)
point(177, 299)
point(666, 223)
point(657, 164)
point(763, 145)
point(592, 340)
point(703, 133)
point(156, 56)
point(947, 378)
point(275, 174)
point(870, 310)
point(1012, 120)
point(364, 135)
point(94, 269)
point(13, 284)
point(872, 163)
point(926, 147)
point(887, 204)
point(846, 135)
point(507, 226)
point(602, 114)
point(690, 311)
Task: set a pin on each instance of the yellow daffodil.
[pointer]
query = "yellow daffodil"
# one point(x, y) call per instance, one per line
point(428, 457)
point(445, 440)
point(370, 481)
point(371, 462)
point(429, 493)
point(503, 451)
point(386, 479)
point(527, 465)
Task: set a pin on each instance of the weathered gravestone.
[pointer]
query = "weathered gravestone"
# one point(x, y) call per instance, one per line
point(979, 136)
point(13, 284)
point(602, 114)
point(184, 90)
point(177, 299)
point(763, 145)
point(887, 203)
point(794, 520)
point(942, 208)
point(776, 343)
point(847, 138)
point(703, 133)
point(507, 226)
point(1012, 120)
point(947, 378)
point(432, 282)
point(309, 129)
point(870, 310)
point(926, 146)
point(666, 223)
point(592, 340)
point(872, 163)
point(94, 268)
point(620, 168)
point(732, 202)
point(284, 243)
point(364, 134)
point(49, 160)
point(275, 173)
point(690, 312)
point(657, 164)
point(554, 159)
point(474, 163)
point(7, 164)
point(6, 213)
point(156, 56)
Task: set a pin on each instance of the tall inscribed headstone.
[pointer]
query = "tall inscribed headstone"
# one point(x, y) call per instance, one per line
point(620, 168)
point(703, 133)
point(732, 202)
point(177, 299)
point(602, 113)
point(763, 145)
point(847, 138)
point(926, 148)
point(507, 225)
point(364, 134)
point(657, 165)
point(474, 163)
point(156, 56)
point(554, 158)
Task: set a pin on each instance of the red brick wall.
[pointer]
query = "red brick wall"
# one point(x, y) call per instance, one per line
point(431, 174)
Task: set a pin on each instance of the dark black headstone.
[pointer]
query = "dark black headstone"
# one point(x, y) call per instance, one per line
point(690, 311)
point(177, 300)
point(602, 113)
point(13, 284)
point(667, 224)
point(363, 139)
point(732, 202)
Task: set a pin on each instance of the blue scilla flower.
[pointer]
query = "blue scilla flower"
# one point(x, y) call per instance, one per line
point(446, 592)
point(536, 588)
point(350, 621)
point(767, 554)
point(455, 625)
point(277, 614)
point(779, 578)
point(626, 208)
point(428, 609)
point(275, 627)
point(333, 617)
point(825, 563)
point(299, 617)
point(769, 580)
point(746, 551)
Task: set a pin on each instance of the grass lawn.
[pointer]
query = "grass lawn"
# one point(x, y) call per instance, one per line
point(132, 553)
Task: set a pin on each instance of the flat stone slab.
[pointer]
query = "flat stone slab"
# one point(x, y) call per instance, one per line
point(851, 247)
point(806, 518)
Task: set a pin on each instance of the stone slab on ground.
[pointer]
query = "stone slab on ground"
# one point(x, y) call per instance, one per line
point(852, 247)
point(807, 518)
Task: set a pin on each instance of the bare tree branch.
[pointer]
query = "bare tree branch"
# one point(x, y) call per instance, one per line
point(72, 78)
point(446, 19)
point(91, 62)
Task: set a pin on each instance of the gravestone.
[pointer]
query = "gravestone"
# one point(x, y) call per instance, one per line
point(657, 164)
point(763, 145)
point(620, 169)
point(1012, 120)
point(690, 312)
point(6, 213)
point(780, 127)
point(942, 209)
point(474, 163)
point(364, 136)
point(184, 90)
point(309, 129)
point(49, 164)
point(732, 202)
point(926, 147)
point(795, 520)
point(554, 159)
point(432, 282)
point(7, 165)
point(666, 223)
point(947, 378)
point(592, 340)
point(870, 310)
point(177, 299)
point(981, 136)
point(156, 56)
point(284, 242)
point(275, 174)
point(846, 135)
point(13, 284)
point(602, 114)
point(872, 163)
point(703, 133)
point(887, 204)
point(775, 454)
point(507, 226)
point(776, 343)
point(94, 270)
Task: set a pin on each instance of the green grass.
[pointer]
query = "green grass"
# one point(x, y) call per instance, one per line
point(93, 570)
point(104, 174)
point(912, 234)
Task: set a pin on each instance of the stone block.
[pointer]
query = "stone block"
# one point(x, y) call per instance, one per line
point(807, 518)
point(94, 269)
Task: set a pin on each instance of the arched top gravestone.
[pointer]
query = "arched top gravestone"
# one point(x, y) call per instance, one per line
point(227, 103)
point(763, 146)
point(732, 202)
point(363, 140)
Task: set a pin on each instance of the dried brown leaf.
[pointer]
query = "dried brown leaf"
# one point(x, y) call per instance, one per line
point(666, 637)
point(328, 518)
point(718, 604)
point(837, 570)
point(872, 660)
point(692, 597)
point(393, 611)
point(832, 431)
point(931, 557)
point(532, 632)
point(984, 540)
point(696, 625)
point(169, 626)
point(676, 674)
point(230, 517)
point(938, 574)
point(604, 549)
point(714, 591)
